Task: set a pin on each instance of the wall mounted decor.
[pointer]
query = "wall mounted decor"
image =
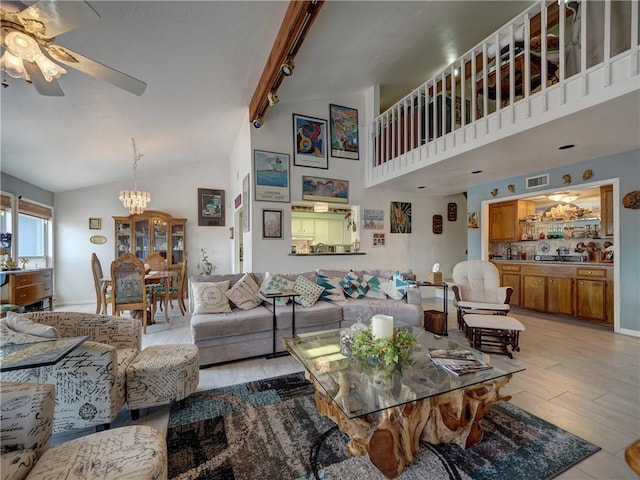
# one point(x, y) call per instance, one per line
point(98, 239)
point(271, 224)
point(632, 200)
point(473, 220)
point(237, 201)
point(378, 239)
point(373, 219)
point(343, 123)
point(320, 189)
point(400, 217)
point(310, 142)
point(494, 192)
point(437, 224)
point(210, 207)
point(566, 179)
point(271, 176)
point(587, 174)
point(511, 187)
point(246, 204)
point(95, 224)
point(452, 211)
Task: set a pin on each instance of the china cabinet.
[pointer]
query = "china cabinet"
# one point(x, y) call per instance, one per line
point(151, 232)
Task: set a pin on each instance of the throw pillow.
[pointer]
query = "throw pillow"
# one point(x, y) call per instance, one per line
point(332, 288)
point(396, 287)
point(375, 287)
point(209, 297)
point(11, 337)
point(244, 294)
point(354, 286)
point(309, 291)
point(275, 283)
point(22, 324)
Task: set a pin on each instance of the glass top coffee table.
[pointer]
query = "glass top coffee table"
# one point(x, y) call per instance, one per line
point(387, 412)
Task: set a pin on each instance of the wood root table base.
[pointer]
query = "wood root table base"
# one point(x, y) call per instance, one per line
point(391, 437)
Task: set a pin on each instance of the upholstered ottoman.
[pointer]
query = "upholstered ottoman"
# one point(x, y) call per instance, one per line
point(160, 375)
point(127, 453)
point(495, 332)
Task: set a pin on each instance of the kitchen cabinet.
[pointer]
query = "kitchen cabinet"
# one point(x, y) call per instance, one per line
point(303, 226)
point(321, 229)
point(591, 293)
point(606, 211)
point(338, 233)
point(28, 287)
point(534, 292)
point(151, 232)
point(504, 219)
point(510, 277)
point(560, 295)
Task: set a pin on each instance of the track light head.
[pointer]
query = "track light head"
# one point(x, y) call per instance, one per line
point(258, 122)
point(287, 67)
point(272, 98)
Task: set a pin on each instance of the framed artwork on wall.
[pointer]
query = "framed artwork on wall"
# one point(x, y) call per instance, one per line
point(452, 211)
point(320, 189)
point(373, 219)
point(310, 142)
point(95, 224)
point(271, 224)
point(473, 220)
point(210, 207)
point(271, 176)
point(400, 217)
point(343, 123)
point(246, 204)
point(437, 224)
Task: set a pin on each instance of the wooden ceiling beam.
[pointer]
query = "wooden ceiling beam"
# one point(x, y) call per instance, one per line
point(297, 21)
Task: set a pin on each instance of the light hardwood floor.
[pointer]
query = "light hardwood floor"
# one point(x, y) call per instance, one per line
point(580, 377)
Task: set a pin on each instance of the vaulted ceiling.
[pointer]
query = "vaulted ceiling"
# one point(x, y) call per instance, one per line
point(202, 61)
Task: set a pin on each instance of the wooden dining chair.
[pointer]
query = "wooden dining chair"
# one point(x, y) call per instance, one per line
point(155, 261)
point(128, 288)
point(102, 285)
point(176, 290)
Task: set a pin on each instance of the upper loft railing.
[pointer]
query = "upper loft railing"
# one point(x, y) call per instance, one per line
point(538, 51)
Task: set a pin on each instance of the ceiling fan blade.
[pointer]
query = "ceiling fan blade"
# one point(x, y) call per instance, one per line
point(58, 17)
point(97, 69)
point(50, 89)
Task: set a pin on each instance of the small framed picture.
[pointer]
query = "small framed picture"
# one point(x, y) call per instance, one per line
point(95, 224)
point(271, 224)
point(210, 207)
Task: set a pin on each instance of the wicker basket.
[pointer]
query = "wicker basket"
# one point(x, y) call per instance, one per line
point(434, 321)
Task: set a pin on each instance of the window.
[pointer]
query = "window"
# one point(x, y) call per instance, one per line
point(32, 236)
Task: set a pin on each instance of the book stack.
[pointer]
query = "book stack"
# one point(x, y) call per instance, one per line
point(458, 362)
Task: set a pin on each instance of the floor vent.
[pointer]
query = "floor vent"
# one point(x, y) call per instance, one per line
point(537, 182)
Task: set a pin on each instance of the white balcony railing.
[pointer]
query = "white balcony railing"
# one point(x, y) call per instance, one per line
point(528, 68)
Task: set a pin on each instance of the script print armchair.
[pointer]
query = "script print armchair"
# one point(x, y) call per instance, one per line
point(90, 382)
point(477, 290)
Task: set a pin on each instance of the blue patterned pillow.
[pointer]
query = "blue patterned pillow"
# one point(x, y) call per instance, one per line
point(375, 287)
point(309, 291)
point(396, 287)
point(354, 286)
point(275, 283)
point(332, 288)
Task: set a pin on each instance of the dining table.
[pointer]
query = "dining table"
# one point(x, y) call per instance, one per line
point(163, 277)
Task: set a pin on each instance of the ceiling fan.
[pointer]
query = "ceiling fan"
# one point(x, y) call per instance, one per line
point(27, 31)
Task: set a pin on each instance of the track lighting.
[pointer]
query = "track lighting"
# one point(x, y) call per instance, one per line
point(257, 123)
point(272, 98)
point(287, 67)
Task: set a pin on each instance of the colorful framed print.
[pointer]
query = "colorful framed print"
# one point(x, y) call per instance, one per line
point(310, 142)
point(210, 208)
point(343, 128)
point(319, 189)
point(271, 176)
point(400, 217)
point(373, 219)
point(246, 203)
point(473, 220)
point(378, 239)
point(271, 224)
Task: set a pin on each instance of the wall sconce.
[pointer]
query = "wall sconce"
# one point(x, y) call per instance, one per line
point(287, 67)
point(258, 122)
point(272, 98)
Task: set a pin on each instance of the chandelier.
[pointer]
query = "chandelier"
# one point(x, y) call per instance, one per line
point(135, 200)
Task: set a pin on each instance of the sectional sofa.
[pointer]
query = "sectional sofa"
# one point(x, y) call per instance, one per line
point(230, 320)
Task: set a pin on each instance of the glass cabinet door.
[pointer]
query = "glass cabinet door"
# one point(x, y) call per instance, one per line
point(123, 237)
point(142, 238)
point(160, 230)
point(177, 243)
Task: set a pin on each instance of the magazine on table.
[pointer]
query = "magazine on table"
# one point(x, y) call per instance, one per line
point(458, 362)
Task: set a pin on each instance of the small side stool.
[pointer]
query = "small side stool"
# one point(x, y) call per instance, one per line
point(495, 332)
point(160, 375)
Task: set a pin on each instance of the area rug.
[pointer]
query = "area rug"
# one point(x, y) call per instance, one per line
point(270, 429)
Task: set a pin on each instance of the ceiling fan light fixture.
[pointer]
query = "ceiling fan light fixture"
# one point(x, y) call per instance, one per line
point(49, 70)
point(22, 46)
point(287, 67)
point(13, 66)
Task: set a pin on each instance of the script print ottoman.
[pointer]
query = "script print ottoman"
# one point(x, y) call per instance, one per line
point(494, 333)
point(160, 375)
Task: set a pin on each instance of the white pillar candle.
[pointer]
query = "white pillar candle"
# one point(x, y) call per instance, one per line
point(382, 326)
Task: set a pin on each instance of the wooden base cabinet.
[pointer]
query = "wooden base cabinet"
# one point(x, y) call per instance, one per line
point(591, 299)
point(560, 295)
point(27, 287)
point(534, 292)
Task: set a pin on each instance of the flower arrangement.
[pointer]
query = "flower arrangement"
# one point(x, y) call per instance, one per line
point(205, 266)
point(388, 352)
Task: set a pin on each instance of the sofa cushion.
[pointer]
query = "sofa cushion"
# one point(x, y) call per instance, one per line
point(320, 316)
point(276, 282)
point(23, 324)
point(396, 287)
point(332, 288)
point(375, 287)
point(354, 286)
point(244, 294)
point(209, 297)
point(231, 324)
point(365, 308)
point(309, 291)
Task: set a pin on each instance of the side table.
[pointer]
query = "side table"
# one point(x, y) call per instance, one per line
point(275, 294)
point(445, 309)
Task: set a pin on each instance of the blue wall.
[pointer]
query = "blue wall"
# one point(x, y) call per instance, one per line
point(626, 168)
